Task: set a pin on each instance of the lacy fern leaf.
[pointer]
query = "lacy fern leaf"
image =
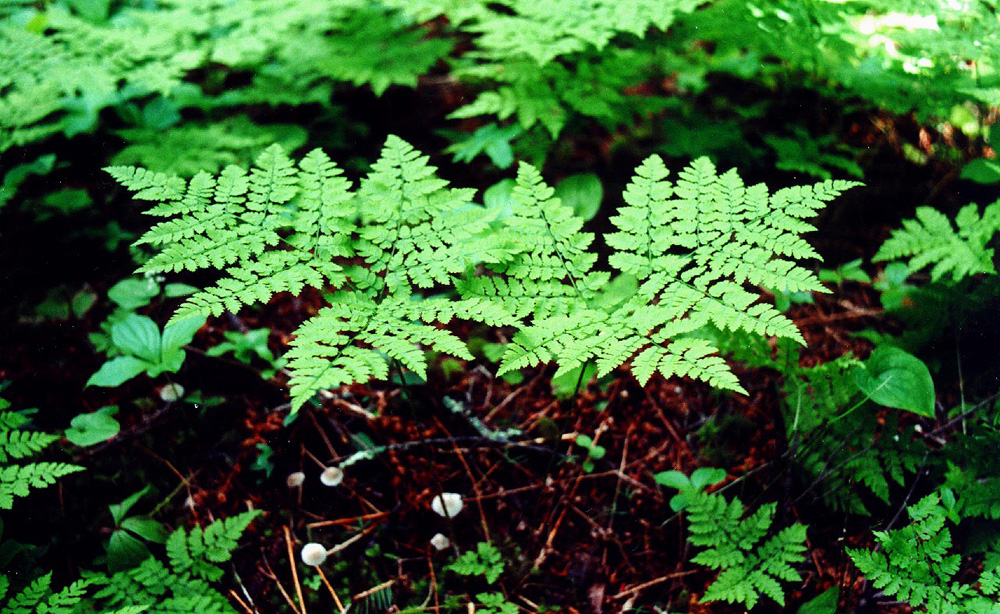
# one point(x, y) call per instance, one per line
point(694, 247)
point(914, 565)
point(283, 227)
point(750, 563)
point(930, 239)
point(182, 585)
point(17, 443)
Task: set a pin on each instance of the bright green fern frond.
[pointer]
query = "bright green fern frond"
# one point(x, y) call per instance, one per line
point(913, 564)
point(325, 352)
point(15, 443)
point(198, 553)
point(930, 239)
point(750, 563)
point(549, 273)
point(29, 598)
point(183, 587)
point(697, 248)
point(553, 248)
point(415, 230)
point(18, 443)
point(17, 481)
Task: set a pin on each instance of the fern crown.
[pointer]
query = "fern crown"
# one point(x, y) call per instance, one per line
point(688, 254)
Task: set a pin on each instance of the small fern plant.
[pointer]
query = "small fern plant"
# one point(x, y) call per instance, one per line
point(692, 246)
point(183, 583)
point(283, 227)
point(915, 564)
point(690, 252)
point(751, 559)
point(17, 443)
point(932, 240)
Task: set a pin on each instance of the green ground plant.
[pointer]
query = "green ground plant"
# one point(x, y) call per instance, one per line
point(282, 228)
point(586, 259)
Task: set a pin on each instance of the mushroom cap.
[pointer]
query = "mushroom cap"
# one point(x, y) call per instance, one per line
point(313, 554)
point(294, 480)
point(332, 476)
point(440, 542)
point(447, 504)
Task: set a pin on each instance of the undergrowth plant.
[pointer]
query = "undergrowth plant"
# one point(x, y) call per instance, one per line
point(183, 583)
point(686, 253)
point(17, 443)
point(751, 558)
point(917, 564)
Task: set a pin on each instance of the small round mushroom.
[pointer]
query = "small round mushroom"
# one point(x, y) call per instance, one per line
point(171, 392)
point(313, 554)
point(447, 504)
point(294, 480)
point(332, 476)
point(440, 542)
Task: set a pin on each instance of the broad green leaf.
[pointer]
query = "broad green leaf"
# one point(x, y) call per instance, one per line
point(982, 170)
point(146, 528)
point(581, 193)
point(139, 336)
point(704, 476)
point(120, 510)
point(175, 290)
point(117, 371)
point(672, 479)
point(180, 333)
point(93, 428)
point(133, 293)
point(125, 551)
point(825, 603)
point(895, 378)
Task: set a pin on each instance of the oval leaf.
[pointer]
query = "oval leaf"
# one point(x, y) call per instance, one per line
point(582, 194)
point(93, 428)
point(895, 378)
point(117, 371)
point(139, 336)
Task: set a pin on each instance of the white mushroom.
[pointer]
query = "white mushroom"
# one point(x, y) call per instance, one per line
point(331, 476)
point(313, 554)
point(440, 542)
point(294, 480)
point(447, 504)
point(171, 392)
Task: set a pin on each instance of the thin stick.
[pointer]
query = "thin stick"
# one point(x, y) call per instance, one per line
point(245, 607)
point(373, 590)
point(295, 571)
point(645, 585)
point(346, 521)
point(336, 599)
point(271, 576)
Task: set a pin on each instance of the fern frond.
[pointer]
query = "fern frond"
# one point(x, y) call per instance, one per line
point(198, 552)
point(325, 352)
point(695, 247)
point(18, 443)
point(30, 596)
point(930, 239)
point(750, 563)
point(17, 481)
point(183, 586)
point(549, 272)
point(415, 230)
point(914, 564)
